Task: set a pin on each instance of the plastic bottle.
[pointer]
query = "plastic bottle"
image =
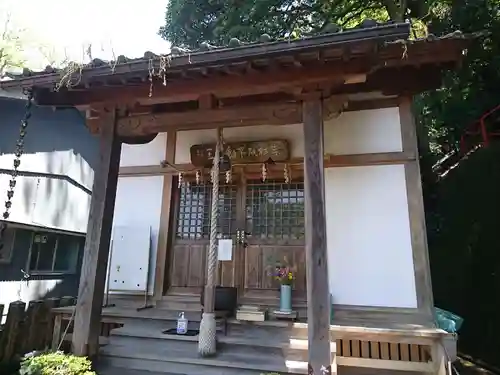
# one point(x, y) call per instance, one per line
point(182, 324)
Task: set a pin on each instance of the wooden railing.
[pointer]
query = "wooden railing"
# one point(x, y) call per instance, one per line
point(28, 327)
point(41, 325)
point(419, 350)
point(63, 327)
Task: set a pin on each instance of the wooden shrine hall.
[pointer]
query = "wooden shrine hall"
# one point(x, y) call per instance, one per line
point(319, 169)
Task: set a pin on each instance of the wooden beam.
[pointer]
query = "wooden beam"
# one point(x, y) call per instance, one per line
point(379, 158)
point(277, 113)
point(233, 85)
point(208, 101)
point(163, 235)
point(95, 260)
point(145, 170)
point(318, 295)
point(423, 284)
point(271, 114)
point(250, 114)
point(378, 103)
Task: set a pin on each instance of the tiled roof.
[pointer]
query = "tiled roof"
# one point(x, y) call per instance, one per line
point(331, 34)
point(210, 58)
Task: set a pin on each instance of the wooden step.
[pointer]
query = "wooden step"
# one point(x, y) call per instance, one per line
point(103, 369)
point(254, 343)
point(181, 302)
point(188, 362)
point(149, 314)
point(271, 303)
point(247, 349)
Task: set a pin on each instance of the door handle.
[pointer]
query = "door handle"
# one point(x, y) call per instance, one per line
point(241, 237)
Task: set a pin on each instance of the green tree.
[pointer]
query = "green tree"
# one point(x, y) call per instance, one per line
point(190, 22)
point(442, 114)
point(471, 90)
point(11, 46)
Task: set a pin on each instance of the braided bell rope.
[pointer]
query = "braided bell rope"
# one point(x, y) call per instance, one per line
point(207, 339)
point(212, 252)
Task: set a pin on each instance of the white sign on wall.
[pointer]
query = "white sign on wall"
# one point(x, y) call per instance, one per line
point(129, 263)
point(225, 250)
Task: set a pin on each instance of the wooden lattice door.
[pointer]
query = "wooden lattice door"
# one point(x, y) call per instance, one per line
point(274, 225)
point(188, 250)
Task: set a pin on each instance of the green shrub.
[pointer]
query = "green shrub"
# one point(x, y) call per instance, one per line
point(55, 364)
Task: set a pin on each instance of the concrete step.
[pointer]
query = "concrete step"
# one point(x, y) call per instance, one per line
point(166, 360)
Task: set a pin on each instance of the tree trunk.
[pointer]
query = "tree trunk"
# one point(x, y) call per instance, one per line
point(396, 9)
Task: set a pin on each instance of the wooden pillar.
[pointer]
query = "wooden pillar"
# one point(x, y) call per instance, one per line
point(318, 295)
point(163, 236)
point(418, 228)
point(96, 251)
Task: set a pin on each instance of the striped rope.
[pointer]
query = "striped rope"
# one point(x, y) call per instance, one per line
point(207, 339)
point(212, 252)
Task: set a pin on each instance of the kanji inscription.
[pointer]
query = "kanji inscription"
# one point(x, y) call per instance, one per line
point(242, 152)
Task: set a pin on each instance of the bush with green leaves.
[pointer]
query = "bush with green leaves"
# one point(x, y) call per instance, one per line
point(56, 363)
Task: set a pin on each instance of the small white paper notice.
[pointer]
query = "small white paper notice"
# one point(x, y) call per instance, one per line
point(225, 251)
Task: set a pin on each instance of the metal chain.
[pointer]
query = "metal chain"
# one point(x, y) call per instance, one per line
point(17, 162)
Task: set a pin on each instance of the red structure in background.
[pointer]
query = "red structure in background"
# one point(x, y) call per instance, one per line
point(475, 136)
point(479, 128)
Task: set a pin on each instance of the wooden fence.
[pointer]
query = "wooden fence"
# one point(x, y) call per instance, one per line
point(28, 327)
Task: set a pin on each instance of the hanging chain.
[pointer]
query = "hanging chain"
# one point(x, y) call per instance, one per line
point(151, 73)
point(17, 163)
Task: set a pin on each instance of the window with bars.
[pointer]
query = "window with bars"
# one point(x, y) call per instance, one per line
point(275, 210)
point(7, 245)
point(54, 253)
point(195, 204)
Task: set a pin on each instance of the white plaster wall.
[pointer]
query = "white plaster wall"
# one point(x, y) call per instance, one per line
point(138, 202)
point(26, 292)
point(65, 162)
point(151, 153)
point(370, 258)
point(358, 132)
point(292, 133)
point(364, 132)
point(46, 202)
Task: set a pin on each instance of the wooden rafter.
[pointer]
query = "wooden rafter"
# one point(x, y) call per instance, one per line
point(184, 90)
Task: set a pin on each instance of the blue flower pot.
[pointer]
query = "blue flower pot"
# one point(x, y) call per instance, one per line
point(286, 298)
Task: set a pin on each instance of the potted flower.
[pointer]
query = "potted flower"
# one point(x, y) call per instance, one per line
point(285, 276)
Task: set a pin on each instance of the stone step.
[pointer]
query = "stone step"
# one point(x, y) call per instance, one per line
point(167, 360)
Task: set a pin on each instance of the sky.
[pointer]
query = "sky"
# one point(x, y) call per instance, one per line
point(113, 27)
